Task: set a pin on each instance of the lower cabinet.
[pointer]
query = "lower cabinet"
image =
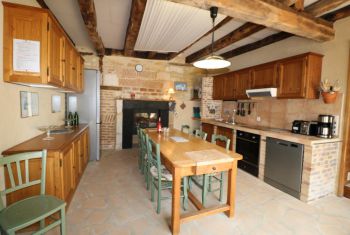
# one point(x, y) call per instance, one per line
point(225, 132)
point(64, 169)
point(209, 129)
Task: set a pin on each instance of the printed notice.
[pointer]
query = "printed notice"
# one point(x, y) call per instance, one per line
point(26, 56)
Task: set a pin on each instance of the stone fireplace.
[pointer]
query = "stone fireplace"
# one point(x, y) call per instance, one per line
point(134, 113)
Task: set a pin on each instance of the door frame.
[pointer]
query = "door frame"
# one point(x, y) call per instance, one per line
point(346, 139)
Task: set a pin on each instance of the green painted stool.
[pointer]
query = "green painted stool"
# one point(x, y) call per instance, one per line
point(160, 178)
point(205, 182)
point(201, 134)
point(34, 209)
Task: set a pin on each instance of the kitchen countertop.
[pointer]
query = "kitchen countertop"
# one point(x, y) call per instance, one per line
point(37, 143)
point(273, 132)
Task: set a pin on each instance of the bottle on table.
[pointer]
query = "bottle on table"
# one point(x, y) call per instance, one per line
point(159, 125)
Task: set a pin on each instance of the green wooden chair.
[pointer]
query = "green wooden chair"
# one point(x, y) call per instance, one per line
point(201, 134)
point(140, 159)
point(205, 182)
point(145, 165)
point(161, 179)
point(34, 209)
point(185, 129)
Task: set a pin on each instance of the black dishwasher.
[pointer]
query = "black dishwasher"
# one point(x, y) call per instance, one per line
point(248, 145)
point(284, 165)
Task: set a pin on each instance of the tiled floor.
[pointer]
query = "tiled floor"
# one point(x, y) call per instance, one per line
point(112, 199)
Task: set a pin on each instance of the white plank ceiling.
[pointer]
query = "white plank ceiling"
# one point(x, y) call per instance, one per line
point(166, 26)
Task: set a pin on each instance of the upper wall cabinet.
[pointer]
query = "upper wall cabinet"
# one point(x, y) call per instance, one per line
point(294, 77)
point(263, 76)
point(299, 76)
point(35, 51)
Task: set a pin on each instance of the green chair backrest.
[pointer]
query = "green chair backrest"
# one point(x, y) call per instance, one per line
point(143, 143)
point(14, 161)
point(138, 131)
point(153, 150)
point(223, 138)
point(201, 134)
point(185, 128)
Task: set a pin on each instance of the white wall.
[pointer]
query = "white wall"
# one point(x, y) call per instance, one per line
point(13, 128)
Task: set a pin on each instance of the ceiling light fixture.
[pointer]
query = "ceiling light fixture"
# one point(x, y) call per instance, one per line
point(212, 61)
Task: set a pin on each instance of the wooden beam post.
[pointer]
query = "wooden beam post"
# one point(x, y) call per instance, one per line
point(332, 17)
point(320, 7)
point(271, 14)
point(88, 12)
point(136, 15)
point(299, 5)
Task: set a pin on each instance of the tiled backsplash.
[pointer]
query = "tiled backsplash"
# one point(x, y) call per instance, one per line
point(281, 113)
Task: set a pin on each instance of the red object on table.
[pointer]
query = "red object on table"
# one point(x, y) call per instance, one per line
point(159, 125)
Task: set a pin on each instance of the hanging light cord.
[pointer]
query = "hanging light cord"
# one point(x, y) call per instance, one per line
point(212, 38)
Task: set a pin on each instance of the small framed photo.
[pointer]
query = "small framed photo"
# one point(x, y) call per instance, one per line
point(29, 104)
point(55, 104)
point(180, 86)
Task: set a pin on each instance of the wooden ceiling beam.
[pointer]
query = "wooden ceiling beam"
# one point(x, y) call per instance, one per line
point(138, 54)
point(88, 12)
point(338, 14)
point(271, 14)
point(216, 27)
point(136, 15)
point(42, 4)
point(320, 7)
point(332, 17)
point(238, 34)
point(299, 5)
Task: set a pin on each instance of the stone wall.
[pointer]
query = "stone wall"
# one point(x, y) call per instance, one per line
point(120, 80)
point(210, 108)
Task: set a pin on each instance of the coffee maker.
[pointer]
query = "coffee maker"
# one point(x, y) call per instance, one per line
point(326, 126)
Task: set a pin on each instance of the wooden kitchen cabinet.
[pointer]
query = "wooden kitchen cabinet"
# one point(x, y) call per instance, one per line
point(243, 83)
point(229, 86)
point(64, 168)
point(39, 25)
point(67, 173)
point(218, 87)
point(209, 129)
point(225, 132)
point(299, 76)
point(264, 76)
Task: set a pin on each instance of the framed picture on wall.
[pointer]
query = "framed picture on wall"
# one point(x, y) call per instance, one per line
point(29, 104)
point(180, 86)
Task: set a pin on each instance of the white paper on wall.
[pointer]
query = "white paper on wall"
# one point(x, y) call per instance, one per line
point(26, 55)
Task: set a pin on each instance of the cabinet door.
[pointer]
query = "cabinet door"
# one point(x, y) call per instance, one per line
point(79, 74)
point(242, 78)
point(67, 172)
point(229, 86)
point(292, 78)
point(71, 64)
point(24, 24)
point(225, 132)
point(56, 53)
point(264, 76)
point(209, 129)
point(86, 143)
point(76, 162)
point(218, 87)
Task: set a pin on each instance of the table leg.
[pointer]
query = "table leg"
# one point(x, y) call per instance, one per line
point(175, 215)
point(231, 189)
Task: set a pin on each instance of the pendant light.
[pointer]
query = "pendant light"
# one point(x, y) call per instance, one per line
point(212, 61)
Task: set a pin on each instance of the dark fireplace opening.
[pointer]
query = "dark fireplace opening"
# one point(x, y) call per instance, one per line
point(144, 114)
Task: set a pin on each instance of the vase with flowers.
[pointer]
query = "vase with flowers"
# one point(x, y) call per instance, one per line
point(329, 91)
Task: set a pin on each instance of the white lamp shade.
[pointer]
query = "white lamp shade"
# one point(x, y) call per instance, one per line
point(171, 91)
point(212, 62)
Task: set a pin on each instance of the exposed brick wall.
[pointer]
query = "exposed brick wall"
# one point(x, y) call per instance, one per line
point(150, 84)
point(207, 101)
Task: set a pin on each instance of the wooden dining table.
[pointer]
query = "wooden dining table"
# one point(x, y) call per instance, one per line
point(186, 155)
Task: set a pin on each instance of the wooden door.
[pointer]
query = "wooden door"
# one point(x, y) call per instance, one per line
point(56, 54)
point(218, 87)
point(264, 76)
point(243, 80)
point(67, 172)
point(209, 129)
point(292, 78)
point(24, 24)
point(76, 162)
point(229, 86)
point(225, 132)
